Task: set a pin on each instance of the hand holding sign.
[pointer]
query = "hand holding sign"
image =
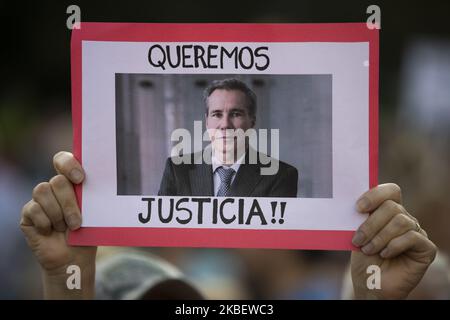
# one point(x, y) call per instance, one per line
point(393, 240)
point(45, 221)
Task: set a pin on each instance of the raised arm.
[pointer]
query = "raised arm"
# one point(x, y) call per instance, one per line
point(45, 222)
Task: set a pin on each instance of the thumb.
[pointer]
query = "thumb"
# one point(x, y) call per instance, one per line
point(66, 164)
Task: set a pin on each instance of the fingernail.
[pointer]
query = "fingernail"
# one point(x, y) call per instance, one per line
point(358, 238)
point(76, 175)
point(367, 249)
point(73, 222)
point(363, 204)
point(384, 253)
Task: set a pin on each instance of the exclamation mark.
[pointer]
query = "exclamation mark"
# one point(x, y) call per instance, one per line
point(283, 206)
point(274, 208)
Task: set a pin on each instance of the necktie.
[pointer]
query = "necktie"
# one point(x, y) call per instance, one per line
point(225, 180)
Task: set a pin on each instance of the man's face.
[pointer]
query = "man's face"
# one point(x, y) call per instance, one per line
point(227, 111)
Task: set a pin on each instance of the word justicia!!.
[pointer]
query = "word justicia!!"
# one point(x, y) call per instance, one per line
point(223, 211)
point(208, 57)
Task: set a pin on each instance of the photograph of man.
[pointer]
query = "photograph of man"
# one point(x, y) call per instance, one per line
point(230, 106)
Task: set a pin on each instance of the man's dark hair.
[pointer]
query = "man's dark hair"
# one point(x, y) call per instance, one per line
point(232, 84)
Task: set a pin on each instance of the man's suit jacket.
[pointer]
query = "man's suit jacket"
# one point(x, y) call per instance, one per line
point(197, 180)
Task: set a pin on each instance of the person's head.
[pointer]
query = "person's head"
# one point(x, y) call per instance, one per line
point(230, 105)
point(133, 275)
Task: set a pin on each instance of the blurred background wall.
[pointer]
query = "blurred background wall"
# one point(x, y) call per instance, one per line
point(414, 128)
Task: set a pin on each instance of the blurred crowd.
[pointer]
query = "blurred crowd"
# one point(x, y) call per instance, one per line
point(414, 153)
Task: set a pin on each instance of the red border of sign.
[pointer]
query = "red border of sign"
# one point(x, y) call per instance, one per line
point(232, 32)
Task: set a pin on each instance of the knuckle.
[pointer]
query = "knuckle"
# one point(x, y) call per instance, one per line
point(401, 221)
point(413, 236)
point(396, 190)
point(34, 209)
point(58, 182)
point(26, 208)
point(391, 206)
point(41, 189)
